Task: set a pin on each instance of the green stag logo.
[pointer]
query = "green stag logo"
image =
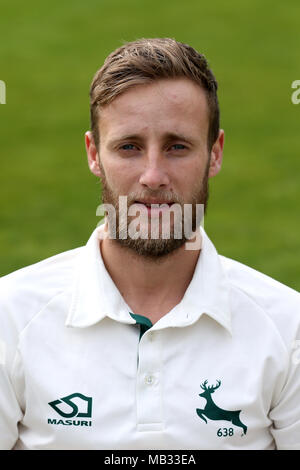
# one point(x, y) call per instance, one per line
point(213, 412)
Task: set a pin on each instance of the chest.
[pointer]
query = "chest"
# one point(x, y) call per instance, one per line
point(172, 389)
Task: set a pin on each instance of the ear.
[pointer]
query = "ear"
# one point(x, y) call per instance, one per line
point(216, 155)
point(92, 155)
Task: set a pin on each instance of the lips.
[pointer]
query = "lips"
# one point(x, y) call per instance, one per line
point(149, 203)
point(153, 208)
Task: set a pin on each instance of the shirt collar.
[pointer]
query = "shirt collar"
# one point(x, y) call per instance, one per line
point(95, 296)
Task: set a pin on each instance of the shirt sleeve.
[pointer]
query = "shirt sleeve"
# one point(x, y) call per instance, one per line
point(10, 409)
point(10, 412)
point(286, 412)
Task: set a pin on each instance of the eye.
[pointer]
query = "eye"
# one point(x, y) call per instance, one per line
point(126, 147)
point(181, 146)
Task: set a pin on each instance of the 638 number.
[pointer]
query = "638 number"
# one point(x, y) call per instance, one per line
point(223, 432)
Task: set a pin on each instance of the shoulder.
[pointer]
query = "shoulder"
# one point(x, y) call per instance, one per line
point(23, 293)
point(276, 300)
point(257, 285)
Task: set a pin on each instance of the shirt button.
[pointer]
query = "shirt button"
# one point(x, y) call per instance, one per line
point(149, 379)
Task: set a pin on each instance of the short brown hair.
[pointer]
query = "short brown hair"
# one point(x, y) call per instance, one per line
point(145, 60)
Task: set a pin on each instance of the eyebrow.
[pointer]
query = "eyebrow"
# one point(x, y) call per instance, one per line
point(169, 136)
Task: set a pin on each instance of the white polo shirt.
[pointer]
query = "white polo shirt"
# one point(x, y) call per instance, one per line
point(219, 371)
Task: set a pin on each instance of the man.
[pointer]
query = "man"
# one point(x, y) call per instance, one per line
point(121, 344)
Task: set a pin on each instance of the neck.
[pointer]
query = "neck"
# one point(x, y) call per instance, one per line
point(149, 287)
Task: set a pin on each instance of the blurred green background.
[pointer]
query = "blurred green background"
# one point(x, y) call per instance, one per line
point(49, 52)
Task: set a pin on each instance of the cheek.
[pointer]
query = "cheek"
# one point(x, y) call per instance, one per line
point(120, 177)
point(188, 175)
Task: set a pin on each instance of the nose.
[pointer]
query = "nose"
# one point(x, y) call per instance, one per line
point(154, 175)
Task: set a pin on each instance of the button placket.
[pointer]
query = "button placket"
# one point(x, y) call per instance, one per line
point(150, 336)
point(149, 391)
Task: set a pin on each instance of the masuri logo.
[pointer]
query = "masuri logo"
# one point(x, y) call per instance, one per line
point(78, 406)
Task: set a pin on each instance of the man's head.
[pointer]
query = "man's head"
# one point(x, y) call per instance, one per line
point(149, 97)
point(147, 60)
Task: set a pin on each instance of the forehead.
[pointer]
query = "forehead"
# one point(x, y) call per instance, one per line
point(166, 105)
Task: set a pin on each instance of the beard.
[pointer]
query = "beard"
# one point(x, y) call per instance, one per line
point(155, 248)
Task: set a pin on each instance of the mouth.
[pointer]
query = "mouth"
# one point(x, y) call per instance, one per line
point(154, 208)
point(150, 203)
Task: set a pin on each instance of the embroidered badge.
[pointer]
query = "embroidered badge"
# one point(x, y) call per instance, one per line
point(75, 405)
point(213, 412)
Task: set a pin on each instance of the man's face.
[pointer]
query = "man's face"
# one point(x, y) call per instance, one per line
point(153, 149)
